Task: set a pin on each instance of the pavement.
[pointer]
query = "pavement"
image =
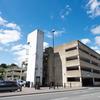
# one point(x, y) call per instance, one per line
point(42, 90)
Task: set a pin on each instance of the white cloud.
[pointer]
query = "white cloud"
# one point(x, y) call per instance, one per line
point(7, 24)
point(96, 48)
point(2, 21)
point(45, 45)
point(7, 36)
point(18, 47)
point(20, 56)
point(98, 51)
point(96, 30)
point(20, 52)
point(97, 40)
point(65, 11)
point(9, 32)
point(85, 41)
point(93, 8)
point(56, 33)
point(13, 26)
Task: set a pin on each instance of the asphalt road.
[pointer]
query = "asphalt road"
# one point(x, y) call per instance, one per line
point(87, 94)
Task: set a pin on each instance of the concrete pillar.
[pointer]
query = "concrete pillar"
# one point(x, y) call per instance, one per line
point(80, 75)
point(12, 75)
point(93, 76)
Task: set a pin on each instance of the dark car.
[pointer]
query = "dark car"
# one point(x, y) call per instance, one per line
point(9, 86)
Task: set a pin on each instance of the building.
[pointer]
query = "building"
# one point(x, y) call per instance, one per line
point(75, 65)
point(80, 64)
point(51, 73)
point(47, 66)
point(15, 74)
point(35, 57)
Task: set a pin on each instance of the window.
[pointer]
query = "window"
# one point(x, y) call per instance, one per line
point(69, 49)
point(72, 68)
point(98, 58)
point(17, 71)
point(86, 69)
point(94, 63)
point(85, 59)
point(93, 56)
point(96, 71)
point(28, 43)
point(73, 79)
point(36, 68)
point(27, 51)
point(97, 79)
point(71, 58)
point(84, 51)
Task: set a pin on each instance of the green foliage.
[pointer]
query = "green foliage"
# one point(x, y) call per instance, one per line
point(13, 66)
point(2, 73)
point(3, 66)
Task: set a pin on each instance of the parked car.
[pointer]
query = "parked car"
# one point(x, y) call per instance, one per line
point(21, 82)
point(10, 86)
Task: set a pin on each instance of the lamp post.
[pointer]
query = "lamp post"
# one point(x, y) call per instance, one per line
point(53, 39)
point(53, 60)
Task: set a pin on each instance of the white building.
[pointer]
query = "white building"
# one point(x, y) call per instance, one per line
point(35, 57)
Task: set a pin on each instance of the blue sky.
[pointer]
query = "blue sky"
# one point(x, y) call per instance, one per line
point(71, 19)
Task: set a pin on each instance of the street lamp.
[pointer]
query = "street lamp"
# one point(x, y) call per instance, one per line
point(53, 60)
point(53, 39)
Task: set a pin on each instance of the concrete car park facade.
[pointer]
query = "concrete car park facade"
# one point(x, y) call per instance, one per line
point(80, 64)
point(15, 74)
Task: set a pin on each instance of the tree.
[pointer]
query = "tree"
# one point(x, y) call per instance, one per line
point(2, 73)
point(3, 65)
point(13, 65)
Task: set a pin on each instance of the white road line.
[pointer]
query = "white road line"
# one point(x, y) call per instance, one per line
point(87, 94)
point(5, 98)
point(64, 98)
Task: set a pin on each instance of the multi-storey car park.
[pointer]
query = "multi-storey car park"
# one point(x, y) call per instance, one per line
point(75, 64)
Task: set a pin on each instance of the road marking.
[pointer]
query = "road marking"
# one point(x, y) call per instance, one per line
point(21, 96)
point(64, 98)
point(86, 95)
